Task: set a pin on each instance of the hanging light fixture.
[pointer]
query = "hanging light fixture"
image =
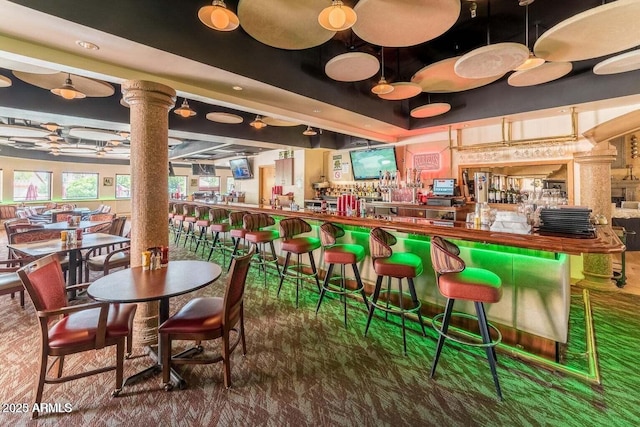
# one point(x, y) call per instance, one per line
point(184, 110)
point(532, 61)
point(258, 123)
point(337, 17)
point(51, 127)
point(309, 131)
point(382, 87)
point(67, 91)
point(218, 17)
point(53, 137)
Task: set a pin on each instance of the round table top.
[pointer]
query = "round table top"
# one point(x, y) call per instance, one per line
point(138, 285)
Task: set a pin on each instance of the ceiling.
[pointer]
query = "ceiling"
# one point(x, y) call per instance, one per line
point(168, 44)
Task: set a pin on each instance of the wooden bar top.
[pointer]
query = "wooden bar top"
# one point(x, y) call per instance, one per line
point(605, 242)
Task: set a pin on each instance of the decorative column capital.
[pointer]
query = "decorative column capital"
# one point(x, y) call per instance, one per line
point(145, 92)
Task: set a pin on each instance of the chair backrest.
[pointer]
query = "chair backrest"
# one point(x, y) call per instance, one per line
point(102, 217)
point(61, 216)
point(177, 208)
point(218, 215)
point(444, 256)
point(18, 224)
point(380, 242)
point(117, 226)
point(234, 293)
point(290, 227)
point(50, 205)
point(329, 234)
point(188, 210)
point(200, 211)
point(105, 209)
point(254, 222)
point(44, 281)
point(235, 218)
point(34, 236)
point(67, 206)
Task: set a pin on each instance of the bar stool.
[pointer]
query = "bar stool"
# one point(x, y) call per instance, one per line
point(191, 216)
point(342, 254)
point(456, 281)
point(289, 229)
point(171, 214)
point(202, 225)
point(178, 219)
point(237, 233)
point(393, 265)
point(253, 225)
point(219, 219)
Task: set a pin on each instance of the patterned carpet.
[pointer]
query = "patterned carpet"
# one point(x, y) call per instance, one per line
point(306, 370)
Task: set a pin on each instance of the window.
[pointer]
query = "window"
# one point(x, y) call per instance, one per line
point(31, 185)
point(231, 184)
point(178, 185)
point(79, 185)
point(209, 183)
point(123, 186)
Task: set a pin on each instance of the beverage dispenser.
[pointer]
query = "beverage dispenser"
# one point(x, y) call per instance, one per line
point(481, 182)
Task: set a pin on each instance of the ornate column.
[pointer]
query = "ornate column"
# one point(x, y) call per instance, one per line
point(149, 103)
point(595, 192)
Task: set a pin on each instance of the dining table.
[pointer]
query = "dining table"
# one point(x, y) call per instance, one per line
point(41, 248)
point(63, 225)
point(137, 285)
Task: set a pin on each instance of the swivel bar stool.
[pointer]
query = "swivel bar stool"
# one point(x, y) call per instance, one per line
point(237, 233)
point(177, 218)
point(219, 219)
point(253, 225)
point(341, 254)
point(201, 224)
point(289, 229)
point(456, 281)
point(396, 265)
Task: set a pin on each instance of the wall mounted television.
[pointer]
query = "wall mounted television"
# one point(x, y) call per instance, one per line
point(241, 168)
point(203, 170)
point(444, 187)
point(367, 164)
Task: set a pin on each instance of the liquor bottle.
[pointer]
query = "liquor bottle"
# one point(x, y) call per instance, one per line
point(492, 194)
point(503, 196)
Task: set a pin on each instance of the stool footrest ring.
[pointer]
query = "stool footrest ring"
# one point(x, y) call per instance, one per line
point(394, 308)
point(338, 289)
point(436, 322)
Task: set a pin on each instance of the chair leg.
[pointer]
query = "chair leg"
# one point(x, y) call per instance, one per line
point(486, 338)
point(119, 367)
point(22, 299)
point(356, 272)
point(213, 247)
point(275, 257)
point(284, 271)
point(372, 306)
point(323, 291)
point(40, 384)
point(314, 269)
point(165, 357)
point(343, 287)
point(401, 304)
point(414, 298)
point(226, 359)
point(234, 253)
point(441, 338)
point(493, 348)
point(244, 343)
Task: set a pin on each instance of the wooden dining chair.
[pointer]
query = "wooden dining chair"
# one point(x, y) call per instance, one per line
point(10, 283)
point(66, 330)
point(209, 318)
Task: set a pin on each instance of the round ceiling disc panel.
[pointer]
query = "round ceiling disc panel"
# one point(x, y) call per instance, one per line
point(430, 110)
point(5, 81)
point(404, 23)
point(95, 134)
point(402, 90)
point(629, 61)
point(271, 121)
point(440, 77)
point(12, 65)
point(492, 60)
point(227, 118)
point(90, 87)
point(22, 131)
point(600, 31)
point(352, 67)
point(546, 72)
point(284, 24)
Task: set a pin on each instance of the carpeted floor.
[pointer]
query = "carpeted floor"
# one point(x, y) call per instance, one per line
point(306, 370)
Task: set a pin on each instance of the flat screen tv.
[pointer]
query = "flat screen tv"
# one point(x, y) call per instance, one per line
point(203, 170)
point(240, 168)
point(367, 164)
point(444, 187)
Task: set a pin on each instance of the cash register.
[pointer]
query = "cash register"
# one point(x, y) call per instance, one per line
point(445, 193)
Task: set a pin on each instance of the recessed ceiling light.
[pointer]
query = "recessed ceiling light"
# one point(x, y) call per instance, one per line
point(236, 87)
point(87, 45)
point(563, 110)
point(317, 110)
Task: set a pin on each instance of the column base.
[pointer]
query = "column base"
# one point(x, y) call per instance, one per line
point(145, 325)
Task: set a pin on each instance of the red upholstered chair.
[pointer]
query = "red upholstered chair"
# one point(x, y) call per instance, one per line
point(293, 243)
point(388, 264)
point(341, 254)
point(66, 330)
point(456, 281)
point(203, 319)
point(219, 219)
point(10, 282)
point(256, 235)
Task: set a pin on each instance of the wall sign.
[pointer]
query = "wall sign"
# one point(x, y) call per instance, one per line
point(427, 161)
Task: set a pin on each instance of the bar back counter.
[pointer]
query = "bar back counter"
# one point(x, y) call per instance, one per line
point(533, 313)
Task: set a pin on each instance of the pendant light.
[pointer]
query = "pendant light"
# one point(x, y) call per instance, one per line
point(258, 123)
point(218, 17)
point(337, 17)
point(309, 131)
point(382, 87)
point(533, 61)
point(184, 110)
point(67, 91)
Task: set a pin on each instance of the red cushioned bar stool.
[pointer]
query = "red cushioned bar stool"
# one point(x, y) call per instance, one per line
point(237, 233)
point(293, 243)
point(456, 281)
point(219, 219)
point(342, 254)
point(399, 265)
point(257, 236)
point(200, 227)
point(177, 221)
